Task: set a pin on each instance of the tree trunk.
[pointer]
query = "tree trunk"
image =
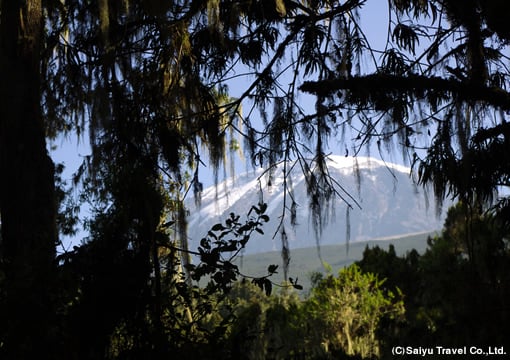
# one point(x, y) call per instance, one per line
point(27, 199)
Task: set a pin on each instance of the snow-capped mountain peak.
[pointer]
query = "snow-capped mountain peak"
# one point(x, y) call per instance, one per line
point(391, 204)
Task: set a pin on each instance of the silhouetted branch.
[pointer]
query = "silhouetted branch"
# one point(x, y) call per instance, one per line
point(417, 84)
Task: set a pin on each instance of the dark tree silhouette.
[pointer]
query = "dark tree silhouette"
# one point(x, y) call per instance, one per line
point(148, 80)
point(27, 199)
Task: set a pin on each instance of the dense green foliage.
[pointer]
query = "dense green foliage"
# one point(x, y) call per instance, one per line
point(451, 298)
point(347, 311)
point(148, 82)
point(340, 318)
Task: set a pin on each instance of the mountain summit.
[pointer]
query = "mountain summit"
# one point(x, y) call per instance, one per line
point(390, 204)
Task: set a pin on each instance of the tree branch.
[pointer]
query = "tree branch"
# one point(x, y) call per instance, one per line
point(411, 83)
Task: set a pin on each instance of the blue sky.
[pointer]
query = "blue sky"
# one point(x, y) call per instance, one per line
point(374, 20)
point(70, 150)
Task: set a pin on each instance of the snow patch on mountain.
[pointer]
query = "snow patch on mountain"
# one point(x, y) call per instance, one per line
point(391, 204)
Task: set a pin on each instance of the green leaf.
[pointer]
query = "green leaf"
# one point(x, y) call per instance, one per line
point(259, 282)
point(244, 240)
point(327, 267)
point(263, 208)
point(205, 244)
point(268, 287)
point(244, 228)
point(271, 269)
point(167, 224)
point(218, 227)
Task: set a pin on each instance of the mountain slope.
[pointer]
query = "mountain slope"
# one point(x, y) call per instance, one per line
point(305, 261)
point(391, 205)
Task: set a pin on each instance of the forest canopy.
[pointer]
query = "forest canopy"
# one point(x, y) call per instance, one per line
point(149, 82)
